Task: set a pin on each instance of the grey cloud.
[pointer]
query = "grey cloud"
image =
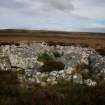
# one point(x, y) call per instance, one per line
point(61, 4)
point(94, 2)
point(11, 4)
point(45, 8)
point(29, 6)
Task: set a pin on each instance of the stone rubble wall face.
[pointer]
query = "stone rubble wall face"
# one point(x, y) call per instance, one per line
point(25, 57)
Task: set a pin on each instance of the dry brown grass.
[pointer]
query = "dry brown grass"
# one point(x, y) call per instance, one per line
point(95, 40)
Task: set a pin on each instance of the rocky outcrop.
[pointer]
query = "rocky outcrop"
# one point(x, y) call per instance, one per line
point(25, 57)
point(5, 63)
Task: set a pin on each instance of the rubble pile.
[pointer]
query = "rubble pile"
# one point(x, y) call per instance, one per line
point(25, 57)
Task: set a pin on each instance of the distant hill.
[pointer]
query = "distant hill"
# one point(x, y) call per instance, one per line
point(10, 32)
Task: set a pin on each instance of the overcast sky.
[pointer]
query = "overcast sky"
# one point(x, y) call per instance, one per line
point(67, 15)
